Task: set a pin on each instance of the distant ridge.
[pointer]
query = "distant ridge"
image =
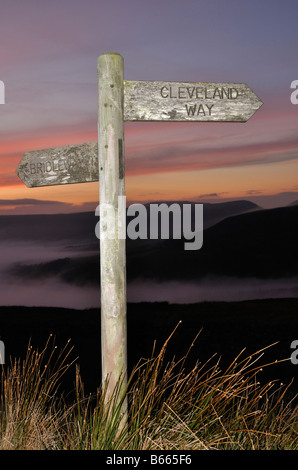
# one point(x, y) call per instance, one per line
point(260, 244)
point(255, 244)
point(214, 213)
point(80, 226)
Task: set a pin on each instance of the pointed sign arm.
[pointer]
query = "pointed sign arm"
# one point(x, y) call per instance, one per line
point(60, 165)
point(185, 101)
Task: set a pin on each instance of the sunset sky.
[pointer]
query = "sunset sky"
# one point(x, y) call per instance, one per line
point(48, 63)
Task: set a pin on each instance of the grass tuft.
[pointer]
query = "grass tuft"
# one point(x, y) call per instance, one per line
point(169, 408)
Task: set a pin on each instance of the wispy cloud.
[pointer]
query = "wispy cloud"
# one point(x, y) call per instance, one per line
point(24, 206)
point(184, 157)
point(201, 196)
point(27, 202)
point(252, 192)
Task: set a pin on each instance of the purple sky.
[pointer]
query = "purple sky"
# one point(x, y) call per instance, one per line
point(49, 52)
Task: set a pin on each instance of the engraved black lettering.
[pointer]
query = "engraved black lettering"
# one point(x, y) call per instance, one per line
point(61, 166)
point(201, 110)
point(32, 168)
point(209, 106)
point(199, 92)
point(181, 92)
point(226, 92)
point(233, 96)
point(164, 92)
point(190, 109)
point(217, 93)
point(191, 91)
point(172, 95)
point(39, 168)
point(48, 166)
point(206, 94)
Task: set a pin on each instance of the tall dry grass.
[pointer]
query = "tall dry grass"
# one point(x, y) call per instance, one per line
point(169, 408)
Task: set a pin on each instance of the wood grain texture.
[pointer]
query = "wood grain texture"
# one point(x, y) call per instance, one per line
point(184, 101)
point(60, 165)
point(112, 246)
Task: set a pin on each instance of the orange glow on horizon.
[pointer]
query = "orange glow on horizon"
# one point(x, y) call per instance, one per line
point(168, 163)
point(227, 182)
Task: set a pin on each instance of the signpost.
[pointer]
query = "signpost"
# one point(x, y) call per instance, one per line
point(118, 101)
point(179, 101)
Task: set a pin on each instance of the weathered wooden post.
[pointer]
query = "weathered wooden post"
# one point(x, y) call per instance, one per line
point(112, 245)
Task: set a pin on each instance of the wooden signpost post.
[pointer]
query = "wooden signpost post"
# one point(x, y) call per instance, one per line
point(118, 101)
